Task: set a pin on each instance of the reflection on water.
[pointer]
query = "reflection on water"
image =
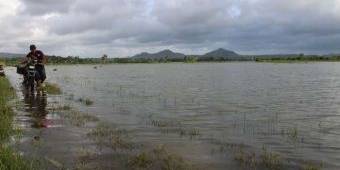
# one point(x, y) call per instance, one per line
point(35, 104)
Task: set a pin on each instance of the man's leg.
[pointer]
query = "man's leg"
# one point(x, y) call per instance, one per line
point(42, 74)
point(39, 87)
point(40, 77)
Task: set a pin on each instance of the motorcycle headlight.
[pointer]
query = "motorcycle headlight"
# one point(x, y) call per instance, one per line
point(31, 67)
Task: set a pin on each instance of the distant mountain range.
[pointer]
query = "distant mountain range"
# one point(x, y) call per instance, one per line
point(216, 54)
point(219, 53)
point(168, 54)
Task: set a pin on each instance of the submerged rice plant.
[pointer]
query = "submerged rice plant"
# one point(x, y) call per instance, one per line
point(311, 166)
point(158, 158)
point(86, 101)
point(264, 160)
point(78, 118)
point(271, 160)
point(106, 135)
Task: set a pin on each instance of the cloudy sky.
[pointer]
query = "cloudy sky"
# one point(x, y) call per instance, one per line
point(120, 28)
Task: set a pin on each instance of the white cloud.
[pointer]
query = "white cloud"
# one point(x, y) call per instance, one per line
point(8, 7)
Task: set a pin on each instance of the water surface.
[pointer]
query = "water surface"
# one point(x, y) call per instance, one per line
point(291, 109)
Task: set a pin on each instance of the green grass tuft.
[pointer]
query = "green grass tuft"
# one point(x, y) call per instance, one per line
point(53, 89)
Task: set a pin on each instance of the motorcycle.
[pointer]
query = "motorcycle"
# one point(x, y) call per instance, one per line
point(31, 73)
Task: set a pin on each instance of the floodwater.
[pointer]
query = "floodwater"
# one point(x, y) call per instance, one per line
point(289, 109)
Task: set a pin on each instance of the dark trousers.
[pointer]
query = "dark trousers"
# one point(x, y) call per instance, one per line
point(40, 73)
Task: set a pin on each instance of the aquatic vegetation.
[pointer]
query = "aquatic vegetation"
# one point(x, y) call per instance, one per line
point(70, 97)
point(106, 135)
point(75, 117)
point(293, 133)
point(141, 160)
point(193, 132)
point(84, 157)
point(165, 123)
point(52, 89)
point(86, 101)
point(246, 159)
point(9, 159)
point(78, 118)
point(270, 160)
point(174, 126)
point(224, 146)
point(311, 166)
point(137, 156)
point(134, 157)
point(61, 107)
point(65, 107)
point(158, 158)
point(266, 159)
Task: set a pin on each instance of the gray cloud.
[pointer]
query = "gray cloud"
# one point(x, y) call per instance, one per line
point(125, 27)
point(41, 7)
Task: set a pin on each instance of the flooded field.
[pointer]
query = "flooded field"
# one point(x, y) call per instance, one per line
point(210, 115)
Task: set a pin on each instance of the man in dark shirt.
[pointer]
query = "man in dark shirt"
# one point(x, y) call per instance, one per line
point(41, 61)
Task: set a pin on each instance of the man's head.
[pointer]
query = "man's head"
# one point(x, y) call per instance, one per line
point(33, 48)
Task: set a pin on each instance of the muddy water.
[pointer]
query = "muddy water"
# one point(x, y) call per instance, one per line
point(47, 138)
point(289, 109)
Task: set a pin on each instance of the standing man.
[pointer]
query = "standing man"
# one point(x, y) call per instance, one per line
point(40, 66)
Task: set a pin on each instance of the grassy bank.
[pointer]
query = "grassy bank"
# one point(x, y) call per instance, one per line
point(299, 59)
point(9, 159)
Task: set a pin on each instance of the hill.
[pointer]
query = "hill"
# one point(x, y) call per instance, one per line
point(220, 53)
point(160, 55)
point(216, 55)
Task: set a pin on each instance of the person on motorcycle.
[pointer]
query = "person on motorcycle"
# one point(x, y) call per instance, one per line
point(38, 55)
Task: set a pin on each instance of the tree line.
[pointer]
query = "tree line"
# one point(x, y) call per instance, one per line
point(57, 60)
